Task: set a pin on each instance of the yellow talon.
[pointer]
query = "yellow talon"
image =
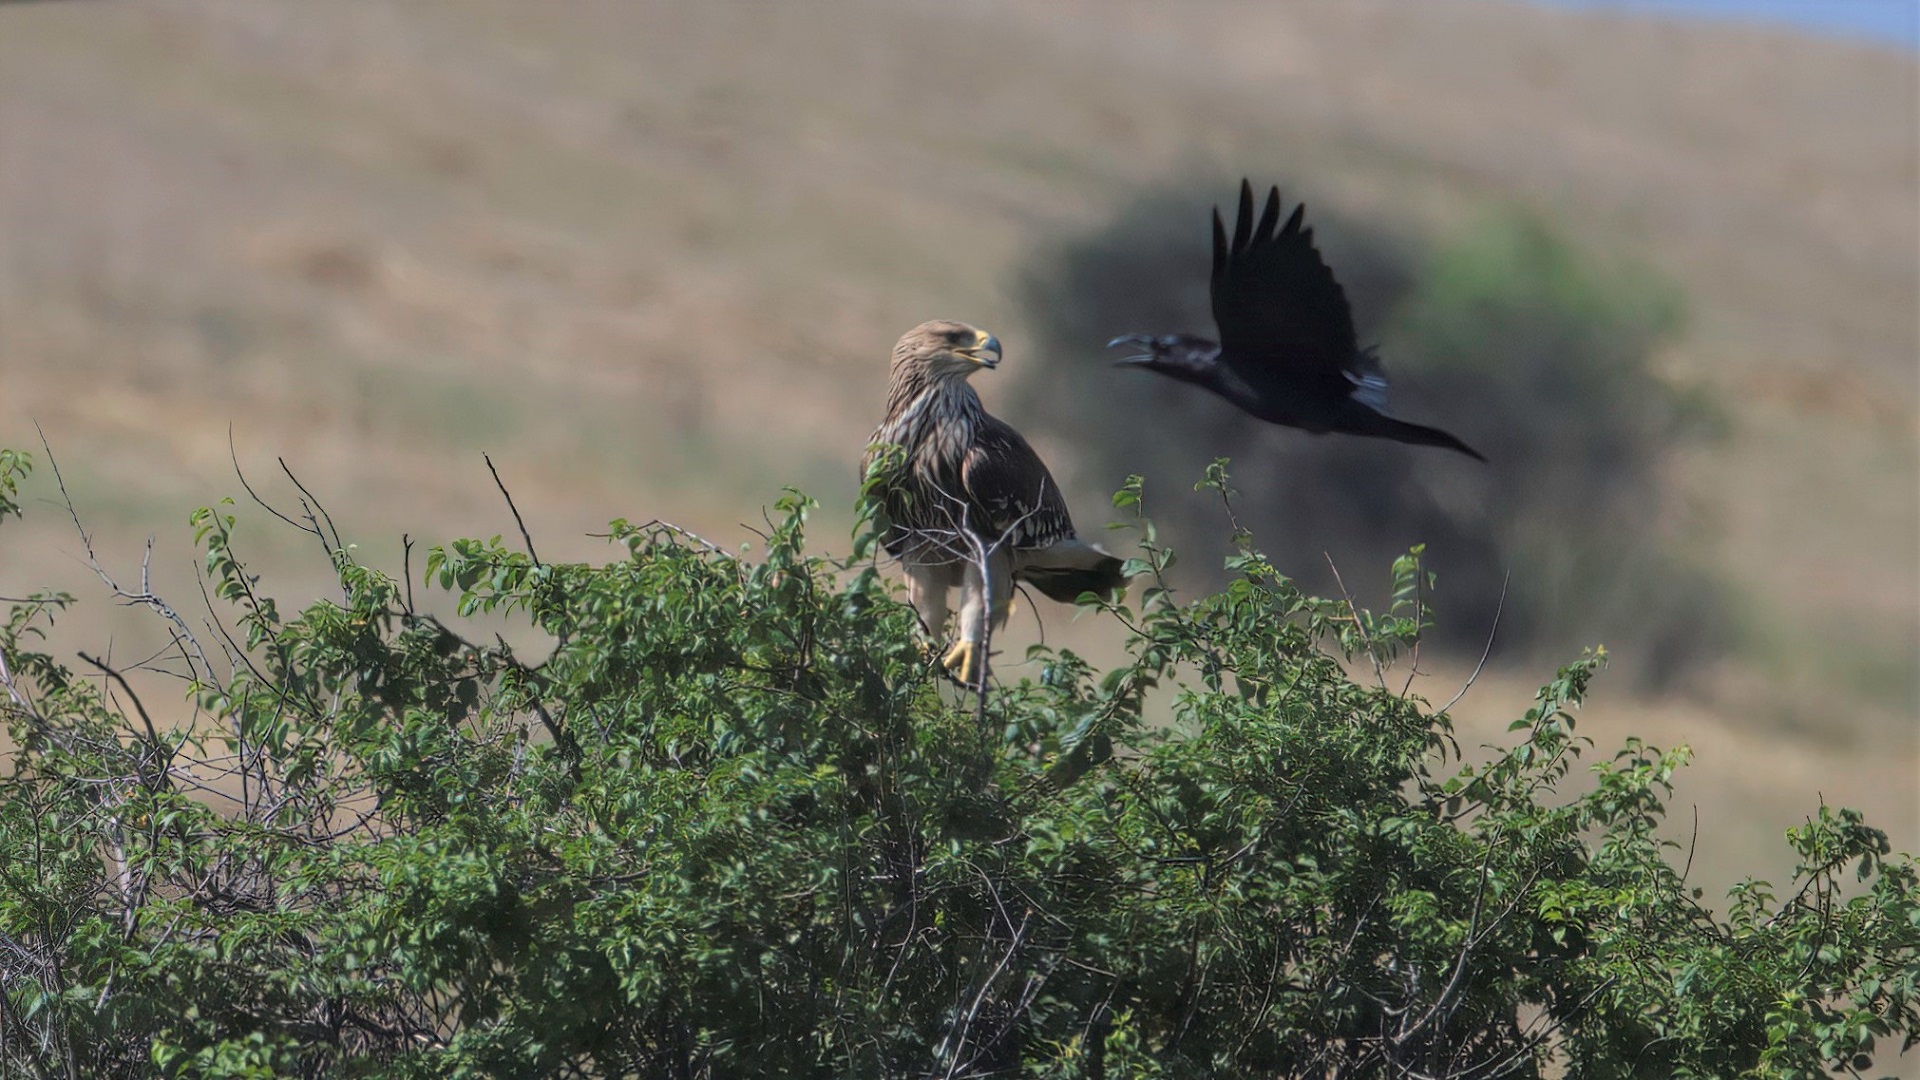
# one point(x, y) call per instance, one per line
point(962, 662)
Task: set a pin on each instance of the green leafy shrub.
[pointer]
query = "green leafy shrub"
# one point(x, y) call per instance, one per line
point(734, 824)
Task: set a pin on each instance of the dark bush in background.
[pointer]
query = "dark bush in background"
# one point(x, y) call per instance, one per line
point(1506, 335)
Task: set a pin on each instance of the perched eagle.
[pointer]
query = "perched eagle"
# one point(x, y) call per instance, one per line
point(1287, 352)
point(970, 491)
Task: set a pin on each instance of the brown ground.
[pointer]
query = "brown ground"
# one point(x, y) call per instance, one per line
point(651, 256)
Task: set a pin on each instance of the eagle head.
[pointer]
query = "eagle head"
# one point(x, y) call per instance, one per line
point(946, 348)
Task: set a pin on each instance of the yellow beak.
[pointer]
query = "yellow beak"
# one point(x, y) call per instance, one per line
point(985, 352)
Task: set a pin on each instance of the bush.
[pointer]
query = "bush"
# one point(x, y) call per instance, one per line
point(1534, 352)
point(735, 824)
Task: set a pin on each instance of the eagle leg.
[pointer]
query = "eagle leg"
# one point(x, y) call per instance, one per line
point(980, 603)
point(927, 585)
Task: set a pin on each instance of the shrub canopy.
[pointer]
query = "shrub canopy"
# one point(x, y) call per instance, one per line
point(735, 824)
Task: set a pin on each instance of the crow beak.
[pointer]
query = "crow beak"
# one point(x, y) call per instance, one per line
point(1133, 341)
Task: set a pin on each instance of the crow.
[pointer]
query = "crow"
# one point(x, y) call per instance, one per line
point(1287, 353)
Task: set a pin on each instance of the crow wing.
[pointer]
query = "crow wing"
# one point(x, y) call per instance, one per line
point(1278, 306)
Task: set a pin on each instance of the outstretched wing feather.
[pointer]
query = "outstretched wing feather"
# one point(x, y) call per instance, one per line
point(1274, 298)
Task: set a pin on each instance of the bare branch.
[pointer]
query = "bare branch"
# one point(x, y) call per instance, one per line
point(406, 568)
point(524, 535)
point(685, 534)
point(1359, 624)
point(234, 455)
point(312, 504)
point(1492, 632)
point(152, 732)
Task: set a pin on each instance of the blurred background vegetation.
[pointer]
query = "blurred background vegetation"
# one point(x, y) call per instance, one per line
point(652, 256)
point(1505, 332)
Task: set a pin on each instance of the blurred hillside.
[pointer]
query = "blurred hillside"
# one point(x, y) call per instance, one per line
point(651, 256)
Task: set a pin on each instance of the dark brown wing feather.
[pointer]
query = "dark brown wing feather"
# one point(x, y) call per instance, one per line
point(1010, 492)
point(1274, 299)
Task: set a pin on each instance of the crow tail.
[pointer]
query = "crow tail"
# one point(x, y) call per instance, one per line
point(1383, 426)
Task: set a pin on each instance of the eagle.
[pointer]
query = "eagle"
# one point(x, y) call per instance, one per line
point(969, 503)
point(1287, 353)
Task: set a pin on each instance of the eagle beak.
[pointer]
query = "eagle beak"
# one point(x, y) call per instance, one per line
point(1133, 341)
point(987, 353)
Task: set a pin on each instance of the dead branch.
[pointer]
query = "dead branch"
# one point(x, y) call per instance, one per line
point(504, 493)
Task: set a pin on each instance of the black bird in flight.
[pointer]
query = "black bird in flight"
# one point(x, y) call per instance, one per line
point(1287, 352)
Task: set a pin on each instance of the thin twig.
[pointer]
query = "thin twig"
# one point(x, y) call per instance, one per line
point(524, 535)
point(1039, 625)
point(1419, 623)
point(406, 568)
point(1492, 632)
point(1359, 624)
point(1692, 844)
point(146, 597)
point(152, 732)
point(686, 534)
point(234, 456)
point(316, 503)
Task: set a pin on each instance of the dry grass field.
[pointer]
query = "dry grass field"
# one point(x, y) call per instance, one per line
point(651, 256)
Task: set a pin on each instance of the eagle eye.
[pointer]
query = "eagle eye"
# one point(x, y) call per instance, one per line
point(957, 336)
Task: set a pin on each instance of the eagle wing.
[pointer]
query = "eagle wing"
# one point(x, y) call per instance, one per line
point(1009, 491)
point(1278, 305)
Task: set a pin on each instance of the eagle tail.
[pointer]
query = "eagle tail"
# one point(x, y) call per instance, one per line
point(1065, 570)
